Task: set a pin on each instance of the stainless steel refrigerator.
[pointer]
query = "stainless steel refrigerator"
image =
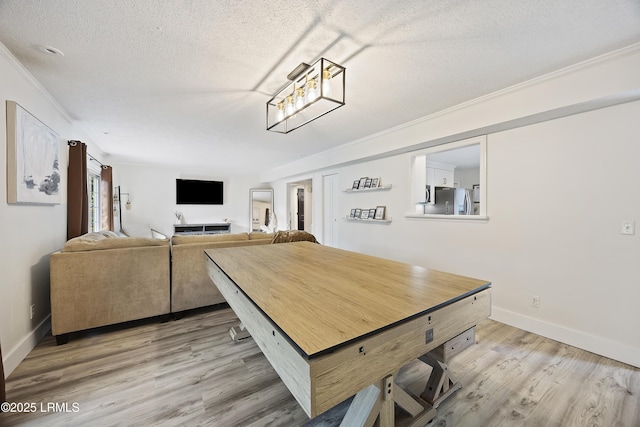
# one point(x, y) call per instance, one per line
point(450, 201)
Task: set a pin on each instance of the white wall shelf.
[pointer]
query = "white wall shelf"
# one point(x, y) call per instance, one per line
point(381, 188)
point(377, 221)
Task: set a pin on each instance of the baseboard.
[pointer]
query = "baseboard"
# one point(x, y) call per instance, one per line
point(28, 343)
point(595, 344)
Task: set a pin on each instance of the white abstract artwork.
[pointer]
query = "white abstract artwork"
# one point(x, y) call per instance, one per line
point(33, 159)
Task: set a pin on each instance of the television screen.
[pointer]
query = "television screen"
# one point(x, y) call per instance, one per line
point(196, 192)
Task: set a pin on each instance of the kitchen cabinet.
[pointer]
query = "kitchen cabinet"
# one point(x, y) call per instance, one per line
point(440, 177)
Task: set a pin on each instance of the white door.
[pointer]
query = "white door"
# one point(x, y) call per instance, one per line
point(330, 210)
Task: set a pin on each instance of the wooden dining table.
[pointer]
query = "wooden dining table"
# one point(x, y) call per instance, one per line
point(335, 323)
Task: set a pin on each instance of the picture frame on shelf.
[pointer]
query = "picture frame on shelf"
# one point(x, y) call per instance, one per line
point(380, 212)
point(355, 184)
point(352, 214)
point(372, 213)
point(367, 183)
point(364, 214)
point(357, 213)
point(375, 182)
point(362, 182)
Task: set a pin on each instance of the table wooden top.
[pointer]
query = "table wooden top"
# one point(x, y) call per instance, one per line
point(347, 295)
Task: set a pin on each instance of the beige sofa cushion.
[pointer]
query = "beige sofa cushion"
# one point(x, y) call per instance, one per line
point(208, 238)
point(108, 240)
point(137, 230)
point(254, 235)
point(94, 237)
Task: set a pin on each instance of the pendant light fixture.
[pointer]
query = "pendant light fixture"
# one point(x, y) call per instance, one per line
point(313, 91)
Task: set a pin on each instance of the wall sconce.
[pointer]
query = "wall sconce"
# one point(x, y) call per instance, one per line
point(314, 91)
point(127, 204)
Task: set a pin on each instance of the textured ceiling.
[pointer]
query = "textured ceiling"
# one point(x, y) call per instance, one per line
point(186, 82)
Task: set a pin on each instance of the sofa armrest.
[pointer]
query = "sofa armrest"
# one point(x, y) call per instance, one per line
point(97, 288)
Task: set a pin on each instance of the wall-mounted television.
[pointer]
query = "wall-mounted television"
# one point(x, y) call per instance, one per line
point(197, 192)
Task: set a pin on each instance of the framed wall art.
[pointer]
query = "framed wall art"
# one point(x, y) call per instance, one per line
point(33, 159)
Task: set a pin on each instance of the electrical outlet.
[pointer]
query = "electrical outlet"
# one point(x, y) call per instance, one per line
point(535, 301)
point(32, 311)
point(628, 227)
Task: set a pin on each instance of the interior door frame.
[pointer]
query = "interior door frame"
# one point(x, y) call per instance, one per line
point(292, 199)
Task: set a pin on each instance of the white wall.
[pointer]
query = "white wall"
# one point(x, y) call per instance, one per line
point(557, 192)
point(152, 191)
point(30, 233)
point(467, 178)
point(579, 173)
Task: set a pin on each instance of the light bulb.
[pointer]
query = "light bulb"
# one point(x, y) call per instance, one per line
point(280, 114)
point(299, 98)
point(289, 110)
point(326, 88)
point(312, 90)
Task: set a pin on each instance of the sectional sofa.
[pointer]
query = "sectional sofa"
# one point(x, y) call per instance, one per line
point(101, 279)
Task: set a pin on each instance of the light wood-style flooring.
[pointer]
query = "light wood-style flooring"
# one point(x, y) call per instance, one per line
point(188, 373)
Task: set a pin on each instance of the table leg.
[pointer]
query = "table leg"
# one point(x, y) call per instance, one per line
point(377, 403)
point(364, 409)
point(387, 410)
point(239, 333)
point(440, 384)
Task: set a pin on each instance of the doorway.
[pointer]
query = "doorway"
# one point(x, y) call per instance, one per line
point(300, 212)
point(300, 206)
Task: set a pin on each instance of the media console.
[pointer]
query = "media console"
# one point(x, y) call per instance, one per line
point(212, 228)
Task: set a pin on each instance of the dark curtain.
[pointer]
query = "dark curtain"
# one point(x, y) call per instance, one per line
point(3, 393)
point(77, 197)
point(106, 194)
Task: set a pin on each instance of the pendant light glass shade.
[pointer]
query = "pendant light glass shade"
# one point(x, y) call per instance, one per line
point(300, 99)
point(313, 91)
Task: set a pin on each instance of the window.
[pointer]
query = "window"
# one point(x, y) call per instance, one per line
point(93, 189)
point(449, 180)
